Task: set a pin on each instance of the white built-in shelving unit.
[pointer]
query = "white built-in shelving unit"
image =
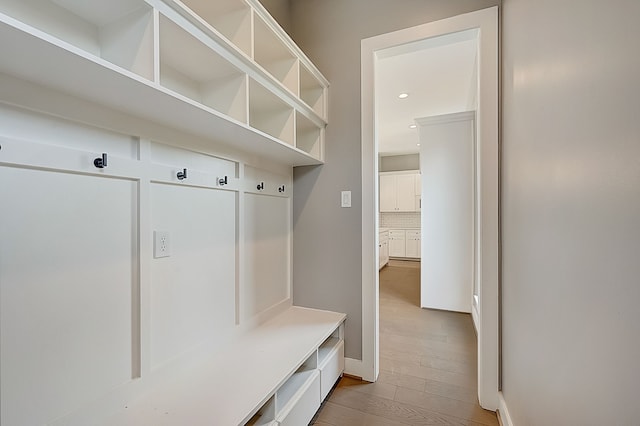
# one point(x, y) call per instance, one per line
point(200, 108)
point(223, 70)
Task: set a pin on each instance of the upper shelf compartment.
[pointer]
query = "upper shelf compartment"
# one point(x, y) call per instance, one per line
point(232, 18)
point(312, 91)
point(274, 56)
point(120, 32)
point(190, 68)
point(273, 50)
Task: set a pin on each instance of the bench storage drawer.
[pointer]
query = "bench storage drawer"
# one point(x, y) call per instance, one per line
point(299, 407)
point(331, 365)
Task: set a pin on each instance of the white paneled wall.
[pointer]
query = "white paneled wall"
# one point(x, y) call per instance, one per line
point(267, 268)
point(193, 290)
point(87, 312)
point(68, 255)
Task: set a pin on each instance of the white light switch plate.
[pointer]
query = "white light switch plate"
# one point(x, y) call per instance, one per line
point(161, 244)
point(346, 199)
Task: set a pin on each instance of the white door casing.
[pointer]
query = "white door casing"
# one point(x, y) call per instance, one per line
point(485, 22)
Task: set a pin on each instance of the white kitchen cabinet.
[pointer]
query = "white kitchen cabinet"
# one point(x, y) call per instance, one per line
point(412, 243)
point(383, 249)
point(404, 243)
point(398, 192)
point(418, 194)
point(387, 193)
point(397, 243)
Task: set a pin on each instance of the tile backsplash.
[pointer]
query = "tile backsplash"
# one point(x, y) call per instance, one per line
point(400, 220)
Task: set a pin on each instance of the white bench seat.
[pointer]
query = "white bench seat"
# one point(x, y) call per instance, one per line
point(231, 386)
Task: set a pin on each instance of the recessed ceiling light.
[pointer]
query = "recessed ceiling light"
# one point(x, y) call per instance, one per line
point(418, 144)
point(403, 95)
point(412, 126)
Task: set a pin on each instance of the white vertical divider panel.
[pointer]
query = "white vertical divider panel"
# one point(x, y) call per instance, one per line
point(240, 246)
point(252, 54)
point(156, 46)
point(146, 246)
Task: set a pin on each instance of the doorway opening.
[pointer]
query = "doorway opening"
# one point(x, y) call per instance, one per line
point(485, 24)
point(426, 95)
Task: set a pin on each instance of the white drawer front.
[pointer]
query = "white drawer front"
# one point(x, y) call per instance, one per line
point(331, 370)
point(302, 407)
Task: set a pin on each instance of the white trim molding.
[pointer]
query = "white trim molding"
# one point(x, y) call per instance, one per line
point(503, 411)
point(486, 23)
point(354, 367)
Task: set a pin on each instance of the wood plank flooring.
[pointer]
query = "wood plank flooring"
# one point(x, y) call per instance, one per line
point(427, 365)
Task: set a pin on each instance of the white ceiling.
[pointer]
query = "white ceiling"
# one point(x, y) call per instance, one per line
point(439, 74)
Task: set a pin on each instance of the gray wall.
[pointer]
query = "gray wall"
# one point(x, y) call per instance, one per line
point(327, 238)
point(281, 12)
point(571, 212)
point(394, 163)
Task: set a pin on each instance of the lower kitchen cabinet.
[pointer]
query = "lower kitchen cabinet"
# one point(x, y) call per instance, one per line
point(397, 246)
point(383, 249)
point(412, 243)
point(404, 243)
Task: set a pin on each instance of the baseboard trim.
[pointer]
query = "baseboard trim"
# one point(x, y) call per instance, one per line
point(503, 412)
point(353, 367)
point(474, 317)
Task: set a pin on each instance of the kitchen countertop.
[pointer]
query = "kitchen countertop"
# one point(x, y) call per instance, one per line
point(400, 228)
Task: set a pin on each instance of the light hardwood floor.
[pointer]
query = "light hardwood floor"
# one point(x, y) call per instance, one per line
point(427, 365)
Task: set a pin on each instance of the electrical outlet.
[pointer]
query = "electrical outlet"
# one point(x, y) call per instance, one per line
point(161, 244)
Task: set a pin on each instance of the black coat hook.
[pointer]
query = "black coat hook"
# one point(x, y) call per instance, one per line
point(222, 181)
point(260, 186)
point(101, 162)
point(281, 188)
point(182, 175)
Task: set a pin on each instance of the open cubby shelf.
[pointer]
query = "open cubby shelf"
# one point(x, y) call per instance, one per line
point(225, 64)
point(121, 33)
point(274, 56)
point(232, 18)
point(189, 67)
point(269, 114)
point(312, 92)
point(328, 346)
point(308, 136)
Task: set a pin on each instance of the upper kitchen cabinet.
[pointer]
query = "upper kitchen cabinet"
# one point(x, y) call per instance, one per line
point(398, 192)
point(222, 70)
